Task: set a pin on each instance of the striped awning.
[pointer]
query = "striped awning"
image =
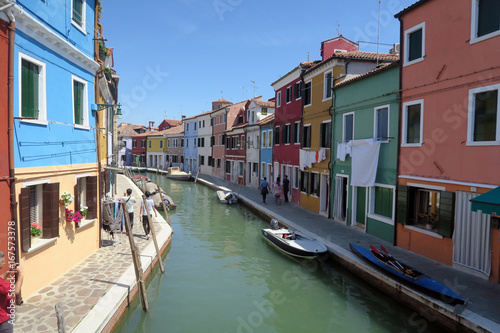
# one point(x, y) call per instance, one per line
point(488, 203)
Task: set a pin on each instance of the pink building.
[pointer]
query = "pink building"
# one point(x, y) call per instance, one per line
point(235, 144)
point(450, 132)
point(220, 109)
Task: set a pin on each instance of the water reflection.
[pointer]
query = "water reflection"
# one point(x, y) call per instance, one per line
point(222, 276)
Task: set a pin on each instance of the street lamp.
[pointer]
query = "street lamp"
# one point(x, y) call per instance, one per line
point(100, 107)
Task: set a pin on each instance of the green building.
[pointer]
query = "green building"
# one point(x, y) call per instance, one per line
point(365, 149)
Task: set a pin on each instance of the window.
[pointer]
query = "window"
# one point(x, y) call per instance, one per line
point(32, 88)
point(288, 96)
point(220, 119)
point(219, 142)
point(228, 167)
point(426, 212)
point(202, 160)
point(296, 132)
point(277, 135)
point(295, 181)
point(86, 195)
point(307, 93)
point(134, 143)
point(415, 44)
point(326, 134)
point(484, 115)
point(202, 142)
point(187, 143)
point(225, 117)
point(187, 127)
point(278, 99)
point(203, 123)
point(270, 138)
point(218, 163)
point(348, 127)
point(161, 144)
point(240, 169)
point(80, 108)
point(248, 142)
point(304, 181)
point(382, 123)
point(264, 111)
point(243, 142)
point(412, 123)
point(297, 90)
point(175, 143)
point(194, 125)
point(263, 170)
point(485, 19)
point(237, 142)
point(39, 203)
point(194, 142)
point(314, 184)
point(286, 134)
point(78, 14)
point(306, 136)
point(182, 143)
point(143, 143)
point(327, 85)
point(149, 143)
point(381, 202)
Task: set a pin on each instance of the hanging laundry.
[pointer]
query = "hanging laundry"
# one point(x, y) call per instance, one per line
point(364, 163)
point(343, 149)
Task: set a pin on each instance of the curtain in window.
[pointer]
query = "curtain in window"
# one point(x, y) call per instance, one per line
point(29, 89)
point(78, 12)
point(338, 210)
point(78, 102)
point(488, 19)
point(485, 116)
point(471, 238)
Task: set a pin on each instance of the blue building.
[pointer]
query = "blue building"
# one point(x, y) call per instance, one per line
point(190, 144)
point(266, 148)
point(54, 134)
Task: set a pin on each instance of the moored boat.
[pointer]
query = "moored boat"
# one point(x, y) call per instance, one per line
point(403, 271)
point(227, 196)
point(293, 243)
point(177, 174)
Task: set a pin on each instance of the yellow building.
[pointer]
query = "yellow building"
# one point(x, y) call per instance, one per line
point(156, 150)
point(317, 122)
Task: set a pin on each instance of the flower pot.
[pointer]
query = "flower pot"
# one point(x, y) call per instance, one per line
point(61, 202)
point(78, 224)
point(34, 239)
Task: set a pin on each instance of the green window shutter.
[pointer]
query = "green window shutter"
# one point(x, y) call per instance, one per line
point(29, 89)
point(92, 197)
point(415, 47)
point(446, 214)
point(24, 218)
point(485, 116)
point(50, 210)
point(488, 17)
point(78, 102)
point(383, 201)
point(402, 206)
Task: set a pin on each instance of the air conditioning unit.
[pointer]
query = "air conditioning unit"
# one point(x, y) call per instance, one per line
point(396, 48)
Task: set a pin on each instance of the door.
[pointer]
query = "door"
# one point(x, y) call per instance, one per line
point(340, 198)
point(324, 196)
point(360, 202)
point(249, 173)
point(471, 237)
point(276, 172)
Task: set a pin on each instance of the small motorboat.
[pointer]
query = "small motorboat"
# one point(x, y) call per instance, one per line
point(227, 196)
point(293, 243)
point(177, 174)
point(169, 203)
point(141, 178)
point(403, 271)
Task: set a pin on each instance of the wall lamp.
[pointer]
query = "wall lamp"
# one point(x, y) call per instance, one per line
point(100, 107)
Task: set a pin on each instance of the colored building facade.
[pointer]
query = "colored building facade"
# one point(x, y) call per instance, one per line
point(370, 205)
point(190, 144)
point(139, 149)
point(125, 133)
point(266, 148)
point(156, 150)
point(204, 143)
point(256, 109)
point(450, 132)
point(235, 153)
point(55, 137)
point(288, 97)
point(175, 145)
point(219, 117)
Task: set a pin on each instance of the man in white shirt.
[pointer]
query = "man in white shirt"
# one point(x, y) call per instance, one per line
point(129, 202)
point(151, 208)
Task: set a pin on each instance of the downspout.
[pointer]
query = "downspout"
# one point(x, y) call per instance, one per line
point(13, 202)
point(97, 34)
point(399, 129)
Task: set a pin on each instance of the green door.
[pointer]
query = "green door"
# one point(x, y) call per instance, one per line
point(360, 205)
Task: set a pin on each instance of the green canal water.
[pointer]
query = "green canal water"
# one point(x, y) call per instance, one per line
point(221, 276)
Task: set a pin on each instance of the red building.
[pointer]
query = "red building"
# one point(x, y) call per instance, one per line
point(5, 207)
point(336, 45)
point(221, 109)
point(450, 133)
point(168, 123)
point(235, 147)
point(139, 149)
point(288, 114)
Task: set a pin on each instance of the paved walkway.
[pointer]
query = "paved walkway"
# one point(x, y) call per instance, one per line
point(482, 311)
point(99, 282)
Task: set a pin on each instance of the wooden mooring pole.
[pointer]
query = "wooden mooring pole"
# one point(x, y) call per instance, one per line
point(136, 259)
point(153, 233)
point(197, 173)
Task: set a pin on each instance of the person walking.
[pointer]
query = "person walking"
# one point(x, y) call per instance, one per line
point(277, 192)
point(129, 202)
point(286, 187)
point(264, 189)
point(8, 291)
point(150, 208)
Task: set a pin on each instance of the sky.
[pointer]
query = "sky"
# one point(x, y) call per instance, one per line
point(175, 57)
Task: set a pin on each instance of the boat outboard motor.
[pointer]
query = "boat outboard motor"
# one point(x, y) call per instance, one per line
point(274, 224)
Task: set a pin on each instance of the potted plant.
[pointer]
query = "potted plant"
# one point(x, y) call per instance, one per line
point(75, 217)
point(36, 232)
point(83, 210)
point(66, 199)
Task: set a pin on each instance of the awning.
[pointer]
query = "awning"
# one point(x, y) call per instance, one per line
point(488, 202)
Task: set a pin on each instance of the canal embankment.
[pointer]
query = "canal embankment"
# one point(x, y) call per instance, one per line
point(96, 292)
point(479, 315)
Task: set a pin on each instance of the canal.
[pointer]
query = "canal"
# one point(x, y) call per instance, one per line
point(221, 276)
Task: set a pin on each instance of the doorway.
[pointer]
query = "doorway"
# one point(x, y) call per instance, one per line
point(324, 195)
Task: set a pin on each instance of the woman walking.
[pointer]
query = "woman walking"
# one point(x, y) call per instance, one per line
point(277, 192)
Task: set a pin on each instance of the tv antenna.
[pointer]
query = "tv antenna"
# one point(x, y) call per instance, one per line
point(254, 88)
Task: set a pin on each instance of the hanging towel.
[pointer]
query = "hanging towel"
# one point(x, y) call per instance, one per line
point(343, 149)
point(364, 155)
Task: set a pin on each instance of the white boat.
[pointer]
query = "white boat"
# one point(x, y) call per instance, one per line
point(176, 173)
point(293, 243)
point(228, 197)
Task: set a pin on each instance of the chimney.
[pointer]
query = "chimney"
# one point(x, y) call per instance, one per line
point(183, 117)
point(151, 125)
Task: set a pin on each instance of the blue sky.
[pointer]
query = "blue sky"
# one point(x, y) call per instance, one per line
point(175, 57)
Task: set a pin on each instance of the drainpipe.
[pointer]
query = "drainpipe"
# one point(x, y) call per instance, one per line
point(13, 202)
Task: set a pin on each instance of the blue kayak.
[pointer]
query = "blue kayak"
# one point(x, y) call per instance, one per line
point(408, 273)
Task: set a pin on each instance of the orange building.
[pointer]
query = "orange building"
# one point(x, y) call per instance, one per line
point(449, 132)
